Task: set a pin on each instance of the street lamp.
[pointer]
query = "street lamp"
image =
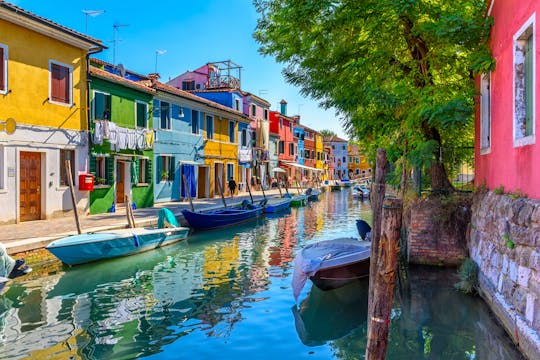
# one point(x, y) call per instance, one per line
point(159, 52)
point(92, 13)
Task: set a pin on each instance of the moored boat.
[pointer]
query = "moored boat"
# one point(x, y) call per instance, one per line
point(297, 200)
point(215, 219)
point(84, 248)
point(277, 204)
point(312, 194)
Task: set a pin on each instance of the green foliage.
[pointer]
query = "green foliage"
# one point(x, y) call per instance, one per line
point(509, 243)
point(399, 72)
point(517, 194)
point(499, 190)
point(327, 133)
point(468, 274)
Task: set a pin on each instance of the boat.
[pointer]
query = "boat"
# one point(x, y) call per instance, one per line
point(335, 187)
point(331, 264)
point(297, 200)
point(347, 183)
point(277, 204)
point(94, 246)
point(360, 192)
point(329, 315)
point(312, 194)
point(215, 219)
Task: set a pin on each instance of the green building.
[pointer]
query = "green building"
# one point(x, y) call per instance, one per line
point(122, 138)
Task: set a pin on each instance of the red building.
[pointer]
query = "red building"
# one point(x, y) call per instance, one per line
point(287, 146)
point(309, 147)
point(506, 152)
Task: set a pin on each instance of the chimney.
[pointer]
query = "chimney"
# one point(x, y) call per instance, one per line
point(283, 109)
point(297, 118)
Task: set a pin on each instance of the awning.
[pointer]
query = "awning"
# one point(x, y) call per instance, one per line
point(301, 166)
point(279, 170)
point(189, 162)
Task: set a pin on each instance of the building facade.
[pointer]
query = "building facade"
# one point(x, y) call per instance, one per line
point(339, 148)
point(43, 111)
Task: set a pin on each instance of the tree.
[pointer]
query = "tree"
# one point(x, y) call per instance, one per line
point(400, 72)
point(327, 133)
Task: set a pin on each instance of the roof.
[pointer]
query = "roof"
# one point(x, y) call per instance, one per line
point(104, 63)
point(186, 94)
point(120, 80)
point(333, 139)
point(21, 17)
point(259, 99)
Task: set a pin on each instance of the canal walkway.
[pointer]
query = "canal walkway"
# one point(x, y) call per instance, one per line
point(34, 235)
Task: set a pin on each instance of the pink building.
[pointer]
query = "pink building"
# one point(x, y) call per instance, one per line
point(506, 151)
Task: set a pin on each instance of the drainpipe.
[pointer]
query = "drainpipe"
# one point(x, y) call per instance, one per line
point(88, 113)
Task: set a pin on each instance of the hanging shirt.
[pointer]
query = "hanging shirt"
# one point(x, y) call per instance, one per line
point(122, 139)
point(131, 139)
point(98, 132)
point(141, 139)
point(112, 133)
point(149, 139)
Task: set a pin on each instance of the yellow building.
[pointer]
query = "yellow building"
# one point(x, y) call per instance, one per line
point(221, 133)
point(320, 163)
point(43, 90)
point(358, 165)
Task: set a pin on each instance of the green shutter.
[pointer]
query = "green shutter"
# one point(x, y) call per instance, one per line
point(92, 165)
point(134, 171)
point(148, 176)
point(159, 162)
point(172, 168)
point(529, 83)
point(109, 170)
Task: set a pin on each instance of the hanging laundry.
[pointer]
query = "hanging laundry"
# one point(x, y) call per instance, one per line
point(112, 133)
point(141, 139)
point(149, 138)
point(122, 139)
point(106, 129)
point(131, 139)
point(98, 132)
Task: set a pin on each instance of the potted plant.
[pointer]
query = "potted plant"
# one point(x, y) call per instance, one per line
point(101, 181)
point(164, 175)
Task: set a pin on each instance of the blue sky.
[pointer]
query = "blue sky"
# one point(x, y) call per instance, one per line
point(193, 33)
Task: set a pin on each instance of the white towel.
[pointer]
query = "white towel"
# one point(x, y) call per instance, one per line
point(141, 139)
point(112, 133)
point(98, 132)
point(131, 139)
point(122, 139)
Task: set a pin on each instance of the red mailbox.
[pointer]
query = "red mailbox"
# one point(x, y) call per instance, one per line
point(86, 182)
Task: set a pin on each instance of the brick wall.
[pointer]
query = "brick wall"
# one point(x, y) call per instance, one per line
point(436, 230)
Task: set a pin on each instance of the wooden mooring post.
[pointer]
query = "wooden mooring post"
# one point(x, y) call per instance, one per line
point(69, 175)
point(380, 305)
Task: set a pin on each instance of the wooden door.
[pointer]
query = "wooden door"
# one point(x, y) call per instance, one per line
point(201, 182)
point(120, 177)
point(30, 186)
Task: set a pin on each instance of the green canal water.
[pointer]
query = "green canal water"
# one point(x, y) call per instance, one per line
point(227, 295)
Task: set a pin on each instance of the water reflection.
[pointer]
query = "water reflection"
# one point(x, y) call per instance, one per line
point(227, 293)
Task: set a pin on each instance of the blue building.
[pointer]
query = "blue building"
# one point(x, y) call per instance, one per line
point(299, 134)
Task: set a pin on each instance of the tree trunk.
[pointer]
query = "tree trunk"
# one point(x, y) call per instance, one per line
point(437, 172)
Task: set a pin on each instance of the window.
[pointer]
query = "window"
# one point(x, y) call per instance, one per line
point(306, 154)
point(485, 112)
point(100, 169)
point(143, 163)
point(141, 114)
point(344, 160)
point(253, 109)
point(281, 147)
point(350, 159)
point(524, 84)
point(333, 147)
point(3, 69)
point(165, 168)
point(244, 137)
point(188, 85)
point(209, 127)
point(357, 160)
point(66, 155)
point(280, 123)
point(265, 114)
point(313, 154)
point(232, 128)
point(318, 156)
point(2, 168)
point(290, 127)
point(237, 104)
point(165, 115)
point(291, 149)
point(230, 171)
point(102, 106)
point(194, 122)
point(60, 83)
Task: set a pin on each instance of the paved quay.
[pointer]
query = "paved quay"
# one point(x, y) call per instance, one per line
point(33, 235)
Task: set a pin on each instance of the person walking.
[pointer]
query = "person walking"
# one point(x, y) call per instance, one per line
point(232, 186)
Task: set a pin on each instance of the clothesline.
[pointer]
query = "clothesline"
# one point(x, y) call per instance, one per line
point(122, 138)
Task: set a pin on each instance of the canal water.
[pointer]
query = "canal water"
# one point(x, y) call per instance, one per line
point(227, 295)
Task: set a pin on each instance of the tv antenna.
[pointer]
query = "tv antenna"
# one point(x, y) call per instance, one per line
point(159, 52)
point(115, 39)
point(92, 13)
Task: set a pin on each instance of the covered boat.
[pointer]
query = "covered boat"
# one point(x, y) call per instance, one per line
point(312, 194)
point(94, 246)
point(277, 204)
point(216, 219)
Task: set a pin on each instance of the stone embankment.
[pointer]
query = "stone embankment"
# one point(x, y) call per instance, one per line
point(505, 243)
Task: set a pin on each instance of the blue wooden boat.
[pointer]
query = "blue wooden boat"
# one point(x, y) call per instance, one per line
point(84, 248)
point(312, 194)
point(296, 200)
point(216, 219)
point(277, 204)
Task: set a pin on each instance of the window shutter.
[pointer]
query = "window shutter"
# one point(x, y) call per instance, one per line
point(109, 170)
point(141, 115)
point(60, 86)
point(159, 161)
point(148, 170)
point(92, 164)
point(2, 71)
point(529, 83)
point(172, 167)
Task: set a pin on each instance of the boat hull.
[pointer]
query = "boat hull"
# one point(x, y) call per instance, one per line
point(299, 200)
point(84, 248)
point(336, 277)
point(277, 206)
point(220, 218)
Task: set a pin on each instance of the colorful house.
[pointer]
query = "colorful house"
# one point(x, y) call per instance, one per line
point(288, 143)
point(121, 152)
point(43, 115)
point(358, 164)
point(320, 163)
point(506, 151)
point(339, 148)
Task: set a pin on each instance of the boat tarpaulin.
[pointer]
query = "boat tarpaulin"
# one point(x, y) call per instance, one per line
point(311, 258)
